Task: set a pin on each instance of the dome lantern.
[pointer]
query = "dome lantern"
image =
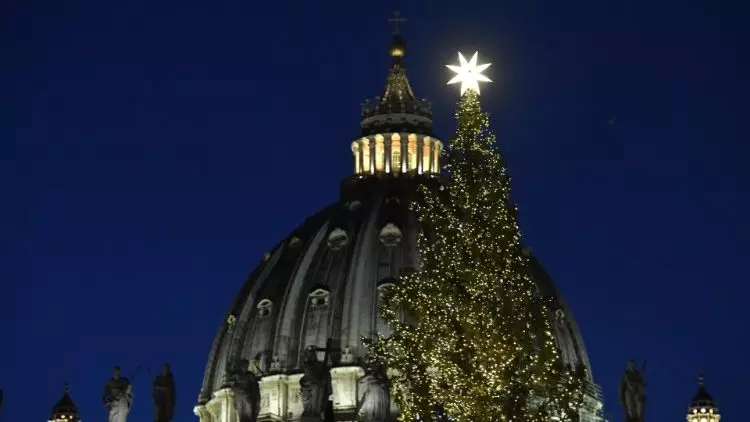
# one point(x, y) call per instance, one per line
point(396, 128)
point(702, 406)
point(65, 410)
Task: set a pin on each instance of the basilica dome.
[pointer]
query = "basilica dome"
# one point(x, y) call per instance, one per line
point(321, 285)
point(65, 410)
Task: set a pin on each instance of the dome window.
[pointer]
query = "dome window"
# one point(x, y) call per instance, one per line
point(265, 307)
point(319, 297)
point(390, 235)
point(294, 242)
point(353, 206)
point(396, 152)
point(338, 239)
point(411, 152)
point(231, 322)
point(347, 357)
point(560, 315)
point(379, 153)
point(383, 288)
point(276, 364)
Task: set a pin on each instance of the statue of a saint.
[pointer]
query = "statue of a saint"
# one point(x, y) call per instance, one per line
point(163, 394)
point(314, 386)
point(246, 392)
point(118, 396)
point(632, 393)
point(375, 404)
point(258, 367)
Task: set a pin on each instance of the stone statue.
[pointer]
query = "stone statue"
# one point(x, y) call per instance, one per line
point(275, 364)
point(632, 392)
point(246, 393)
point(315, 385)
point(347, 357)
point(259, 364)
point(375, 404)
point(118, 396)
point(163, 394)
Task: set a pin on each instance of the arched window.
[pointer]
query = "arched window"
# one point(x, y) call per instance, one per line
point(337, 239)
point(426, 154)
point(395, 153)
point(365, 155)
point(412, 153)
point(379, 153)
point(436, 158)
point(355, 151)
point(265, 307)
point(382, 289)
point(319, 297)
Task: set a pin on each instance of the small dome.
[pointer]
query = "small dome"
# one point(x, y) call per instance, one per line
point(65, 409)
point(701, 399)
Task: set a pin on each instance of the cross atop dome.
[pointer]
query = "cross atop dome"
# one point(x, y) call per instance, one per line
point(397, 48)
point(396, 20)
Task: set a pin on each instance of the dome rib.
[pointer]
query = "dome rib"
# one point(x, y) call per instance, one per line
point(216, 366)
point(293, 296)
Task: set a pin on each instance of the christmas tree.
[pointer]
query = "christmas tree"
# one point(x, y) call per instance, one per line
point(478, 344)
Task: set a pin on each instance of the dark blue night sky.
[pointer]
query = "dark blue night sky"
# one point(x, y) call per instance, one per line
point(152, 151)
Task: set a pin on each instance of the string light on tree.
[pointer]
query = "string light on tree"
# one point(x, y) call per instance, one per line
point(478, 344)
point(469, 73)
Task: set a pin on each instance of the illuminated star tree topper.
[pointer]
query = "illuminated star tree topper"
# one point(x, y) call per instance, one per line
point(468, 73)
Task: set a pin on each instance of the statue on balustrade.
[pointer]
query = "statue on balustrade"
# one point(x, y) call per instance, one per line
point(163, 394)
point(315, 386)
point(246, 392)
point(118, 396)
point(632, 392)
point(375, 404)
